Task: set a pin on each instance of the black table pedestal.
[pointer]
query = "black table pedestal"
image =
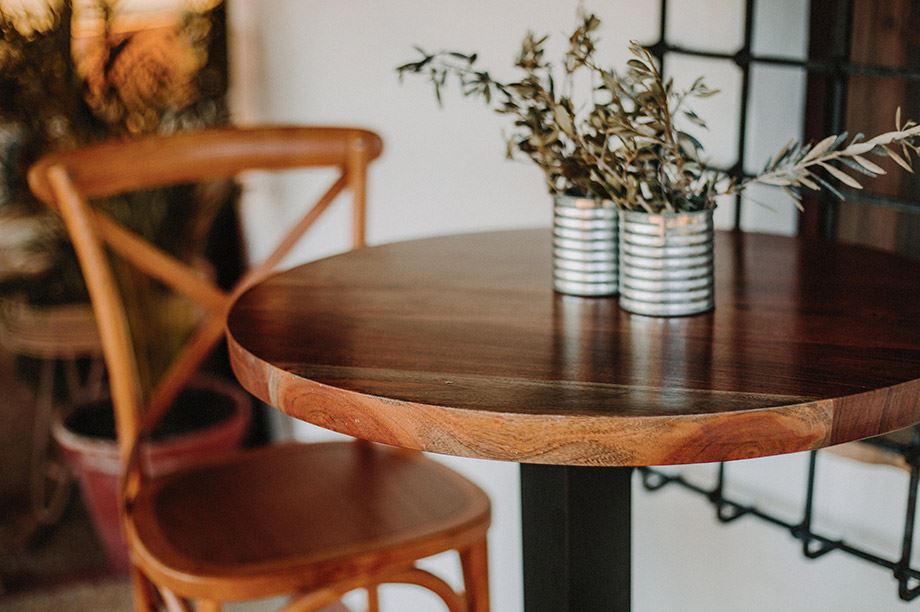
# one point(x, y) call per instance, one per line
point(577, 539)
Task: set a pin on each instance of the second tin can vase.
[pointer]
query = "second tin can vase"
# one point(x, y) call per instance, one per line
point(585, 250)
point(666, 263)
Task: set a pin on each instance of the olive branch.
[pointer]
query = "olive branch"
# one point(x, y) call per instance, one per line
point(626, 143)
point(796, 166)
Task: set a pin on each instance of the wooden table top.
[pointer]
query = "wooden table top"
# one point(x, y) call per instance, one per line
point(458, 345)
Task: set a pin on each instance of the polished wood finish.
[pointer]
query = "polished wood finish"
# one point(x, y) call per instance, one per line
point(475, 561)
point(334, 511)
point(119, 166)
point(310, 520)
point(458, 345)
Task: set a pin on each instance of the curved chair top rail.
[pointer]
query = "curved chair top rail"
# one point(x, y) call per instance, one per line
point(110, 168)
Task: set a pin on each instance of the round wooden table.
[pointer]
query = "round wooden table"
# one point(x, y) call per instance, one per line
point(458, 345)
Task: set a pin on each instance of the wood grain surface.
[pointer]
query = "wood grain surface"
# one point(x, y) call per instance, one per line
point(353, 515)
point(458, 345)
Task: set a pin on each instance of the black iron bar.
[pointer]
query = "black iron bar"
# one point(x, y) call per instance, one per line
point(836, 114)
point(745, 93)
point(804, 531)
point(654, 480)
point(838, 66)
point(902, 570)
point(809, 65)
point(663, 31)
point(906, 590)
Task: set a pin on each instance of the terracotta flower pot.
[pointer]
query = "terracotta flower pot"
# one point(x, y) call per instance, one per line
point(211, 416)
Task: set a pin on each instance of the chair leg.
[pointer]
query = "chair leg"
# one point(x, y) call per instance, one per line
point(373, 599)
point(475, 562)
point(173, 602)
point(207, 605)
point(419, 577)
point(142, 592)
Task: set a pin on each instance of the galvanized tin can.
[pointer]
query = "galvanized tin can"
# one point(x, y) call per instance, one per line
point(585, 249)
point(666, 263)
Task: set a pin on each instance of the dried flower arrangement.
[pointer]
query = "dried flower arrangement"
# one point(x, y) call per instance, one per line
point(626, 143)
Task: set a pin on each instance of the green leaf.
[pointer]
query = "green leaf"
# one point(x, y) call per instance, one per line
point(639, 65)
point(809, 183)
point(833, 190)
point(696, 144)
point(561, 115)
point(779, 181)
point(898, 159)
point(868, 165)
point(841, 176)
point(852, 165)
point(819, 148)
point(780, 154)
point(796, 199)
point(859, 149)
point(694, 118)
point(706, 93)
point(883, 139)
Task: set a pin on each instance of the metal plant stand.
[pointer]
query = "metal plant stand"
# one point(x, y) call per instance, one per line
point(814, 544)
point(57, 338)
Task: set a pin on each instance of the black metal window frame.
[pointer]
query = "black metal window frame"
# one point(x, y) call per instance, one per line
point(836, 68)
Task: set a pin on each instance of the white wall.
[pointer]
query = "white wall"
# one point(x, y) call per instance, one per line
point(443, 171)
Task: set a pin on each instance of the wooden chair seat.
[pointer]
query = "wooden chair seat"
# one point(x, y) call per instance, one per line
point(322, 512)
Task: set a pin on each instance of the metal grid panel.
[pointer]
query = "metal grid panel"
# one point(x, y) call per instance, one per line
point(836, 67)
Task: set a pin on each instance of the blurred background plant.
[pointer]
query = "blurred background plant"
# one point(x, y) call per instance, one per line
point(72, 73)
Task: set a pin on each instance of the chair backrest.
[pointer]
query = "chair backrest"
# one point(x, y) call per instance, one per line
point(67, 180)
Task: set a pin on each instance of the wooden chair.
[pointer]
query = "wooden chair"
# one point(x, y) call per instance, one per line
point(312, 520)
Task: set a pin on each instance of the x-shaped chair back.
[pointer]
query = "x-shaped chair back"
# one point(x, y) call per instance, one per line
point(68, 180)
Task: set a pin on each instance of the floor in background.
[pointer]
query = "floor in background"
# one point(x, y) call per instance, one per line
point(110, 594)
point(106, 595)
point(64, 553)
point(66, 569)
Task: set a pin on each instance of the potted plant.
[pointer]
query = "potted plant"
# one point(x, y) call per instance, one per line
point(61, 92)
point(624, 148)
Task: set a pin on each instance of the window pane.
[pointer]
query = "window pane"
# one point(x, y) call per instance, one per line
point(713, 25)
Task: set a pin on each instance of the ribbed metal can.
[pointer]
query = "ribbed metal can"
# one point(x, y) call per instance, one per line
point(585, 253)
point(666, 263)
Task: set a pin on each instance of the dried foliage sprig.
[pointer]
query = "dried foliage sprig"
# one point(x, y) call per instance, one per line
point(622, 145)
point(824, 166)
point(626, 142)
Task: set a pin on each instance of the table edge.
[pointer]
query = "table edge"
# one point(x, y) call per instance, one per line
point(599, 440)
